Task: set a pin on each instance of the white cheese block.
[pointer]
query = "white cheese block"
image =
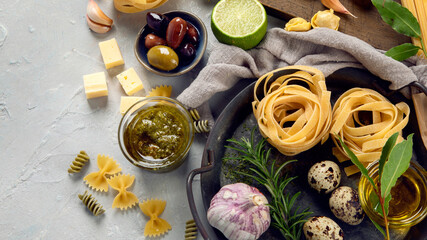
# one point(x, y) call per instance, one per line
point(111, 53)
point(130, 81)
point(95, 85)
point(127, 102)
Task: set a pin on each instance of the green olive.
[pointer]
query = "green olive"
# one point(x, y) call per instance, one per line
point(163, 58)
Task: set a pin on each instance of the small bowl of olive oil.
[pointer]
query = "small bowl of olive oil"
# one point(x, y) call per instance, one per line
point(156, 134)
point(408, 205)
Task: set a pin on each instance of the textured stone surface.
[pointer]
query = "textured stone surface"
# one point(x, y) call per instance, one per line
point(45, 120)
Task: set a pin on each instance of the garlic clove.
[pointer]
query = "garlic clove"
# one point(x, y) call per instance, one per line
point(96, 27)
point(258, 200)
point(97, 15)
point(337, 6)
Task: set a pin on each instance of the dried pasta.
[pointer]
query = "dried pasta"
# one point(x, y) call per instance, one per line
point(201, 126)
point(194, 114)
point(124, 199)
point(98, 180)
point(164, 91)
point(79, 162)
point(326, 19)
point(92, 204)
point(190, 230)
point(365, 119)
point(297, 24)
point(155, 226)
point(294, 109)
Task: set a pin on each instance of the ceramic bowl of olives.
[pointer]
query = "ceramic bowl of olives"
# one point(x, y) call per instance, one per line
point(171, 43)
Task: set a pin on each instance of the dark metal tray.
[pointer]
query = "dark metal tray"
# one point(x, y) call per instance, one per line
point(237, 120)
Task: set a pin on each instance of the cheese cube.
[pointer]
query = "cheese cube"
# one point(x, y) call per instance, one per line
point(127, 102)
point(130, 81)
point(95, 85)
point(111, 53)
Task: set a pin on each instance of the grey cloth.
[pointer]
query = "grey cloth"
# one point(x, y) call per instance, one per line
point(322, 48)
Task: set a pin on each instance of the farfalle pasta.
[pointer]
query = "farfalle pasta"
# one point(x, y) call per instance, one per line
point(294, 109)
point(156, 226)
point(364, 119)
point(163, 91)
point(98, 180)
point(124, 199)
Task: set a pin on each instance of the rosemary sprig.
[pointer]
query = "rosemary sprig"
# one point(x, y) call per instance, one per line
point(285, 217)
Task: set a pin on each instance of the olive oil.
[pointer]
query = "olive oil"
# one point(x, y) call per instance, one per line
point(406, 198)
point(408, 205)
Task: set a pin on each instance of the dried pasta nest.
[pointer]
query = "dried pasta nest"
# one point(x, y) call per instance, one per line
point(364, 120)
point(292, 107)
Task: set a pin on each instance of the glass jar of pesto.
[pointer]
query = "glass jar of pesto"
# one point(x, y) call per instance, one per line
point(156, 134)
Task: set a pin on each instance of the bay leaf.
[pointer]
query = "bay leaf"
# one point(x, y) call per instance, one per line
point(378, 227)
point(398, 162)
point(403, 51)
point(385, 153)
point(356, 162)
point(398, 17)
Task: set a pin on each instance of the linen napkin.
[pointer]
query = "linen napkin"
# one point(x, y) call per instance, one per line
point(322, 48)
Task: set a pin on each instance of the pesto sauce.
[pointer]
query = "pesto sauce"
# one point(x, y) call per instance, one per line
point(157, 131)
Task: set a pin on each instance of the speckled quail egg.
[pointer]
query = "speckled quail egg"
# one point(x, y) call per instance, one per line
point(324, 176)
point(345, 205)
point(321, 228)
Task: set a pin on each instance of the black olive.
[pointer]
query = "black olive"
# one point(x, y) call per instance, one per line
point(158, 22)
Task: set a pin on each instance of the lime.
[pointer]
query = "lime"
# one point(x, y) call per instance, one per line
point(242, 23)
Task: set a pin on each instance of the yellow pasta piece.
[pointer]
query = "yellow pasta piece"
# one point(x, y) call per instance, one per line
point(98, 180)
point(155, 226)
point(418, 8)
point(164, 91)
point(293, 117)
point(297, 25)
point(124, 199)
point(326, 19)
point(364, 120)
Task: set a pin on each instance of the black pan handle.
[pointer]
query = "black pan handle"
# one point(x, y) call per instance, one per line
point(190, 196)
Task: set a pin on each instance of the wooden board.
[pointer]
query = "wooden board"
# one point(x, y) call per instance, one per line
point(368, 25)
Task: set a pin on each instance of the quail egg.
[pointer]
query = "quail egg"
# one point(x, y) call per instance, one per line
point(321, 227)
point(324, 176)
point(345, 205)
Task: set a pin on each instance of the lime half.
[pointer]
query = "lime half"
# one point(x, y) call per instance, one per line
point(242, 23)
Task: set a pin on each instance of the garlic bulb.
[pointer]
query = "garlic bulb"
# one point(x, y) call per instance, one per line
point(239, 211)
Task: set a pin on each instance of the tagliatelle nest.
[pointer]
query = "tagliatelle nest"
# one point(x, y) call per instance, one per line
point(364, 119)
point(294, 109)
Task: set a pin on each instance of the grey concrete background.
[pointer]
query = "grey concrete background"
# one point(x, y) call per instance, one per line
point(45, 120)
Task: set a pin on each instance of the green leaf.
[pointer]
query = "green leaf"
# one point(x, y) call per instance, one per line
point(375, 203)
point(378, 227)
point(397, 164)
point(387, 203)
point(403, 51)
point(386, 152)
point(356, 162)
point(398, 17)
